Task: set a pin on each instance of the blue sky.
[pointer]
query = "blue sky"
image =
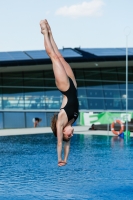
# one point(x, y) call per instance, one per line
point(75, 23)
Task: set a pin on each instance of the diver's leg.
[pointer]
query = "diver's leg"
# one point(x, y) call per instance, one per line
point(61, 77)
point(67, 67)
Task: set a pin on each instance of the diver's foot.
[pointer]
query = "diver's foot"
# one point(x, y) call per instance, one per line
point(48, 26)
point(43, 26)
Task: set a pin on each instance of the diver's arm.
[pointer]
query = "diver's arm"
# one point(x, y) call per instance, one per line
point(59, 140)
point(61, 122)
point(66, 150)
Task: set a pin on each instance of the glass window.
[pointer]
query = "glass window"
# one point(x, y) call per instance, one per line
point(14, 120)
point(123, 85)
point(93, 78)
point(79, 74)
point(53, 98)
point(130, 93)
point(34, 98)
point(79, 78)
point(49, 116)
point(123, 94)
point(80, 83)
point(0, 80)
point(96, 104)
point(82, 97)
point(122, 74)
point(130, 85)
point(13, 98)
point(111, 93)
point(93, 84)
point(12, 79)
point(109, 77)
point(0, 98)
point(92, 74)
point(123, 103)
point(31, 115)
point(109, 74)
point(1, 120)
point(130, 104)
point(95, 93)
point(34, 79)
point(113, 104)
point(122, 77)
point(110, 85)
point(49, 79)
point(130, 99)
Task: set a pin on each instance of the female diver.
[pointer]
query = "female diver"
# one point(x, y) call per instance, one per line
point(61, 124)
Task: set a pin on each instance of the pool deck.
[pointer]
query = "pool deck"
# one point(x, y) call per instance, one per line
point(42, 130)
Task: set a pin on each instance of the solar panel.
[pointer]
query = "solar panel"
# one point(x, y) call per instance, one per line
point(19, 55)
point(105, 51)
point(69, 53)
point(130, 51)
point(4, 56)
point(37, 54)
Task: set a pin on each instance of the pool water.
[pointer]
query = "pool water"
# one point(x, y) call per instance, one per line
point(99, 167)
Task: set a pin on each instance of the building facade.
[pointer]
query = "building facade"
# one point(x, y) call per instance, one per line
point(27, 84)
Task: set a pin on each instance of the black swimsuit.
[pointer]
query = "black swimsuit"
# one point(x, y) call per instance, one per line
point(72, 106)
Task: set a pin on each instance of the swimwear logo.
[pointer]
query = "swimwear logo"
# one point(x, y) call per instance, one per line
point(75, 114)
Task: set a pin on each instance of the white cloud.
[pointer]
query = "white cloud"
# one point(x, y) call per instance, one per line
point(91, 8)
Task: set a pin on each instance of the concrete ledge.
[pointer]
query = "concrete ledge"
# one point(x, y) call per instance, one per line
point(42, 130)
point(25, 131)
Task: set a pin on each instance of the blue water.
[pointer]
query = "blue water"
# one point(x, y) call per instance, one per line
point(99, 167)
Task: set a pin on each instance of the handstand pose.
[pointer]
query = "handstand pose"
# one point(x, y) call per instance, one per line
point(65, 81)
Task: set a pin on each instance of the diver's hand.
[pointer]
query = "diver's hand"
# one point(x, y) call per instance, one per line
point(62, 163)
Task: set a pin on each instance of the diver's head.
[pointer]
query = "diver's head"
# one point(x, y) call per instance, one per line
point(68, 132)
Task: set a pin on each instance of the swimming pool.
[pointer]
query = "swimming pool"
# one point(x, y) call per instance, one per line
point(99, 167)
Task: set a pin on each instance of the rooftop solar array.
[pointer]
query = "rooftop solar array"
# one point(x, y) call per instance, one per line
point(13, 56)
point(19, 55)
point(108, 51)
point(40, 54)
point(68, 53)
point(4, 56)
point(130, 51)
